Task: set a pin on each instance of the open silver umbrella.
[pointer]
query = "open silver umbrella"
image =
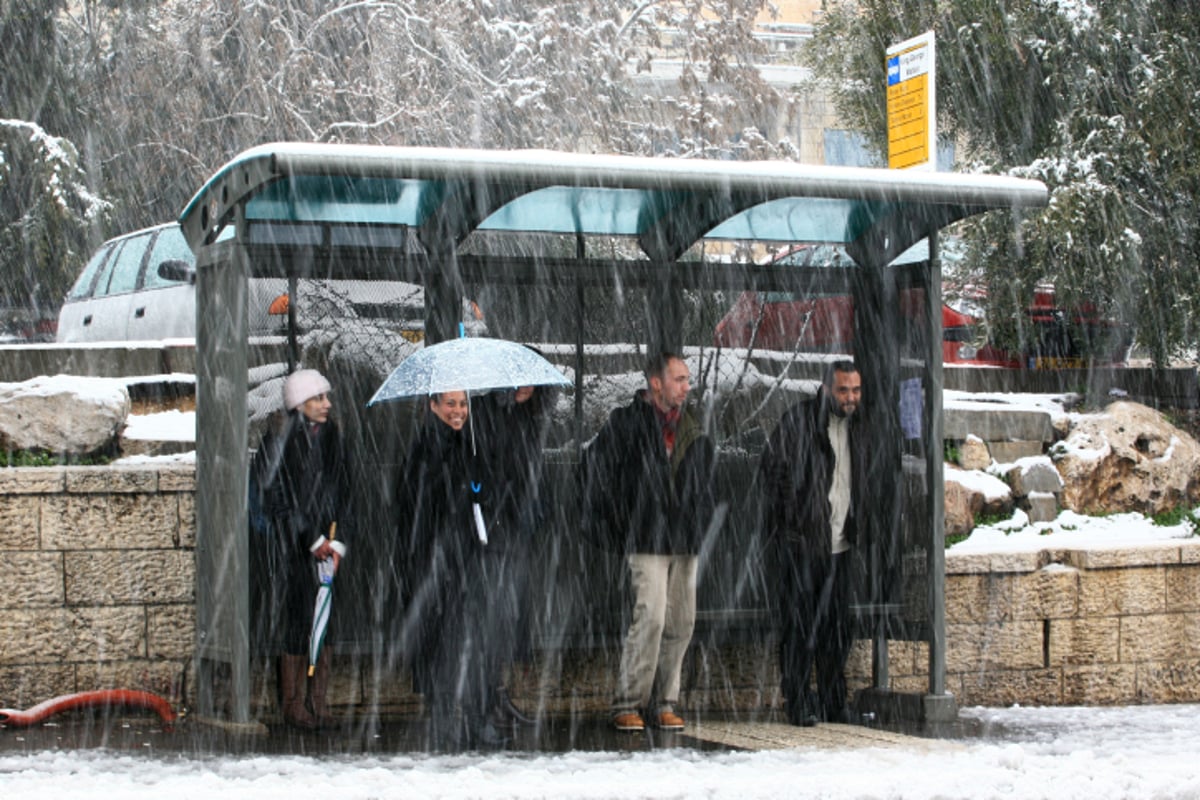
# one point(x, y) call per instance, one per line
point(321, 608)
point(470, 365)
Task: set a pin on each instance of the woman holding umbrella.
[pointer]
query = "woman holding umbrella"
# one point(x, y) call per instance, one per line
point(444, 496)
point(303, 479)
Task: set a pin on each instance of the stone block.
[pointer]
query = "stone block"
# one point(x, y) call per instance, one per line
point(1125, 557)
point(345, 683)
point(1107, 685)
point(1117, 592)
point(967, 564)
point(1017, 562)
point(1084, 641)
point(979, 598)
point(1008, 452)
point(997, 424)
point(733, 666)
point(33, 579)
point(26, 685)
point(1175, 681)
point(187, 520)
point(19, 522)
point(1034, 475)
point(1000, 687)
point(124, 577)
point(1041, 507)
point(32, 480)
point(1189, 551)
point(171, 632)
point(1160, 637)
point(107, 480)
point(112, 633)
point(1183, 589)
point(973, 453)
point(393, 689)
point(70, 636)
point(994, 646)
point(904, 659)
point(100, 521)
point(1050, 593)
point(909, 684)
point(181, 478)
point(36, 635)
point(858, 664)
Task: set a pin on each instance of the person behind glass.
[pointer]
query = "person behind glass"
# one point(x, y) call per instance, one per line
point(303, 476)
point(649, 475)
point(443, 501)
point(512, 427)
point(814, 477)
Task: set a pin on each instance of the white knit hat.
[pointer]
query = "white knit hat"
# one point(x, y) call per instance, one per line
point(301, 385)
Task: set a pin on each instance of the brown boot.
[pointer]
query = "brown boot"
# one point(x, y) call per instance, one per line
point(318, 685)
point(293, 685)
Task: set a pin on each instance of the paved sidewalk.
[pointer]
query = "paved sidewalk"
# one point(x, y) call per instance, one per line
point(827, 736)
point(408, 734)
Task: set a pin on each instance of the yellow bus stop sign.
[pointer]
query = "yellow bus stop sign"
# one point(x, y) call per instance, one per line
point(912, 130)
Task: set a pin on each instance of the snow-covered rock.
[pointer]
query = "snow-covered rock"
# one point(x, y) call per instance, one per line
point(969, 493)
point(973, 453)
point(62, 414)
point(1130, 458)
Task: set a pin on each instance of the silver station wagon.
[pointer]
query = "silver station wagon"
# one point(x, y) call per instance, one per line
point(141, 286)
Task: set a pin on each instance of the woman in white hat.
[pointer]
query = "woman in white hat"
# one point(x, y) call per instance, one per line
point(303, 480)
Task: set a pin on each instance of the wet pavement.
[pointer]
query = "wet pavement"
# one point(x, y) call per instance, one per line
point(127, 732)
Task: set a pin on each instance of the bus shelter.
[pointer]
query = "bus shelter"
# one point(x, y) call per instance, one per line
point(619, 251)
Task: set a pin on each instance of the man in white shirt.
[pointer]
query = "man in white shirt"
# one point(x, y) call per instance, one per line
point(813, 473)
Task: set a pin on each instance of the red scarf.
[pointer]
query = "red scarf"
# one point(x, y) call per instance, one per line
point(668, 421)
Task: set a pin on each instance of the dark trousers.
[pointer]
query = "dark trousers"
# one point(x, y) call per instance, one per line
point(816, 633)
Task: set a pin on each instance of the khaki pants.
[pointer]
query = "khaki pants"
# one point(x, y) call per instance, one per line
point(664, 614)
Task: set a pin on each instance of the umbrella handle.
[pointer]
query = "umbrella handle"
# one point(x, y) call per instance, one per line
point(333, 530)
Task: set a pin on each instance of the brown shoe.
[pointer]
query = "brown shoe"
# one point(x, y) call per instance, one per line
point(629, 721)
point(670, 721)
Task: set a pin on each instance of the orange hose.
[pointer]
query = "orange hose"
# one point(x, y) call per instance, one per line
point(101, 698)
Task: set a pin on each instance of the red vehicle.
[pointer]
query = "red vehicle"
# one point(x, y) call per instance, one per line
point(826, 325)
point(783, 321)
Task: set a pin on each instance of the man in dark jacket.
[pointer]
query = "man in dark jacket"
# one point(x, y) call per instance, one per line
point(813, 472)
point(512, 427)
point(648, 476)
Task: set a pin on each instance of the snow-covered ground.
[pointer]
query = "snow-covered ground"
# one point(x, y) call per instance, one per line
point(1059, 753)
point(1054, 753)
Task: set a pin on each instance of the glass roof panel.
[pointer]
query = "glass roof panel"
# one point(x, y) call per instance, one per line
point(346, 198)
point(576, 209)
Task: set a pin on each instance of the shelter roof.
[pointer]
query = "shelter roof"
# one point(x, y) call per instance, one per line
point(364, 195)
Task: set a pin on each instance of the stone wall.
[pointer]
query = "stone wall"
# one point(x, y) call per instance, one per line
point(1075, 627)
point(101, 594)
point(100, 581)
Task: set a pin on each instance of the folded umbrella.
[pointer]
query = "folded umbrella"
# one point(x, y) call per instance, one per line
point(322, 607)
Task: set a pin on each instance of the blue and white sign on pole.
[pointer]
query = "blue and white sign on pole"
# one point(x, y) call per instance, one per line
point(911, 104)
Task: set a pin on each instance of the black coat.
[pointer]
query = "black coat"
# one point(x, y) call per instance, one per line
point(301, 484)
point(796, 470)
point(512, 437)
point(439, 548)
point(636, 498)
point(440, 480)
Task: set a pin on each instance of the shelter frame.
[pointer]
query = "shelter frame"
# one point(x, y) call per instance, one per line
point(357, 212)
